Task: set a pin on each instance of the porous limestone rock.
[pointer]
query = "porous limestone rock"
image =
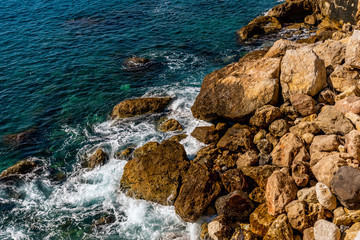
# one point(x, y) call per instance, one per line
point(304, 104)
point(325, 230)
point(280, 229)
point(325, 197)
point(264, 116)
point(343, 78)
point(332, 121)
point(332, 52)
point(353, 50)
point(286, 150)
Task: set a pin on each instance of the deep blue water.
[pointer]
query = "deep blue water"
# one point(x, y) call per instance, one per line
point(61, 72)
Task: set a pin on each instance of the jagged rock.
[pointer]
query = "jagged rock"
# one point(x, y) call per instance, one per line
point(325, 230)
point(280, 229)
point(146, 149)
point(137, 63)
point(344, 216)
point(178, 138)
point(259, 174)
point(346, 186)
point(343, 78)
point(259, 26)
point(349, 104)
point(308, 195)
point(326, 168)
point(233, 180)
point(280, 47)
point(279, 127)
point(207, 155)
point(264, 158)
point(332, 52)
point(300, 168)
point(353, 232)
point(99, 158)
point(308, 138)
point(260, 220)
point(20, 168)
point(288, 111)
point(324, 143)
point(243, 234)
point(308, 234)
point(353, 50)
point(239, 89)
point(286, 150)
point(280, 190)
point(273, 140)
point(344, 11)
point(264, 146)
point(310, 19)
point(156, 176)
point(104, 220)
point(139, 106)
point(209, 134)
point(352, 144)
point(325, 197)
point(199, 189)
point(302, 71)
point(292, 11)
point(204, 235)
point(264, 116)
point(125, 154)
point(332, 121)
point(257, 195)
point(237, 138)
point(226, 159)
point(304, 104)
point(259, 135)
point(305, 127)
point(327, 96)
point(219, 228)
point(351, 91)
point(236, 206)
point(249, 158)
point(171, 125)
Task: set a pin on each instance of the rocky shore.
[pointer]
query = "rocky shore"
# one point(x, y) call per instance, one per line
point(283, 152)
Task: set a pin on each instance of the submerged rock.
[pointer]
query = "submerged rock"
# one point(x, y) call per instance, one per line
point(292, 11)
point(20, 168)
point(21, 138)
point(137, 63)
point(139, 106)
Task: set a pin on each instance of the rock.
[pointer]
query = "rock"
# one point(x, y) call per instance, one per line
point(260, 220)
point(332, 52)
point(310, 19)
point(288, 111)
point(219, 228)
point(324, 143)
point(259, 174)
point(280, 47)
point(308, 138)
point(343, 78)
point(344, 216)
point(104, 220)
point(171, 125)
point(226, 159)
point(239, 89)
point(349, 104)
point(301, 172)
point(344, 11)
point(237, 138)
point(308, 234)
point(327, 96)
point(325, 196)
point(139, 106)
point(346, 187)
point(280, 190)
point(204, 235)
point(260, 135)
point(352, 144)
point(273, 140)
point(332, 121)
point(264, 159)
point(235, 206)
point(20, 168)
point(22, 138)
point(353, 50)
point(302, 72)
point(249, 158)
point(199, 189)
point(178, 138)
point(243, 234)
point(259, 26)
point(257, 195)
point(137, 63)
point(292, 11)
point(286, 150)
point(233, 180)
point(144, 178)
point(146, 149)
point(351, 91)
point(209, 134)
point(125, 154)
point(99, 158)
point(308, 195)
point(264, 116)
point(304, 104)
point(264, 146)
point(325, 230)
point(305, 127)
point(280, 229)
point(279, 127)
point(353, 232)
point(326, 168)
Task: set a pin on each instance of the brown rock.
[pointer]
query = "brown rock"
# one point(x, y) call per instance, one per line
point(236, 206)
point(332, 52)
point(136, 63)
point(308, 195)
point(302, 71)
point(310, 19)
point(325, 169)
point(237, 138)
point(280, 229)
point(260, 220)
point(209, 134)
point(292, 11)
point(199, 189)
point(351, 91)
point(146, 149)
point(249, 158)
point(259, 26)
point(207, 155)
point(259, 174)
point(264, 147)
point(327, 96)
point(219, 228)
point(273, 140)
point(97, 159)
point(239, 89)
point(227, 159)
point(19, 168)
point(280, 47)
point(156, 176)
point(264, 116)
point(352, 144)
point(353, 232)
point(243, 234)
point(257, 195)
point(349, 104)
point(353, 50)
point(24, 138)
point(171, 125)
point(300, 172)
point(305, 127)
point(125, 154)
point(286, 150)
point(308, 234)
point(344, 216)
point(178, 138)
point(343, 78)
point(280, 190)
point(139, 106)
point(324, 143)
point(288, 111)
point(332, 121)
point(233, 180)
point(304, 104)
point(297, 214)
point(279, 127)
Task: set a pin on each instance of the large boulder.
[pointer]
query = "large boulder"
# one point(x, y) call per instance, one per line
point(99, 158)
point(292, 11)
point(237, 138)
point(346, 186)
point(139, 106)
point(353, 50)
point(332, 52)
point(302, 71)
point(209, 134)
point(199, 189)
point(237, 90)
point(156, 176)
point(259, 26)
point(343, 78)
point(339, 10)
point(19, 168)
point(286, 150)
point(332, 121)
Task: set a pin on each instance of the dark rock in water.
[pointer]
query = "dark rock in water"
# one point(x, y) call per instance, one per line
point(237, 138)
point(199, 189)
point(20, 168)
point(139, 106)
point(58, 177)
point(21, 138)
point(209, 134)
point(125, 154)
point(178, 138)
point(137, 63)
point(259, 26)
point(157, 175)
point(171, 125)
point(346, 186)
point(104, 220)
point(99, 158)
point(146, 149)
point(236, 206)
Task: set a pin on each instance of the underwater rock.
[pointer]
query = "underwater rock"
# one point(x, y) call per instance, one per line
point(20, 168)
point(137, 63)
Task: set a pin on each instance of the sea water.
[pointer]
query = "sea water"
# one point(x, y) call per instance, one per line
point(61, 73)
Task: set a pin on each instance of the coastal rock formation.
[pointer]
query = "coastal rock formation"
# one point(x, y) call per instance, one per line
point(259, 26)
point(171, 125)
point(209, 134)
point(342, 78)
point(237, 138)
point(97, 159)
point(137, 63)
point(332, 121)
point(20, 168)
point(139, 106)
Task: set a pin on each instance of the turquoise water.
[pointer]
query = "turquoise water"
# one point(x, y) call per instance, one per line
point(61, 73)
